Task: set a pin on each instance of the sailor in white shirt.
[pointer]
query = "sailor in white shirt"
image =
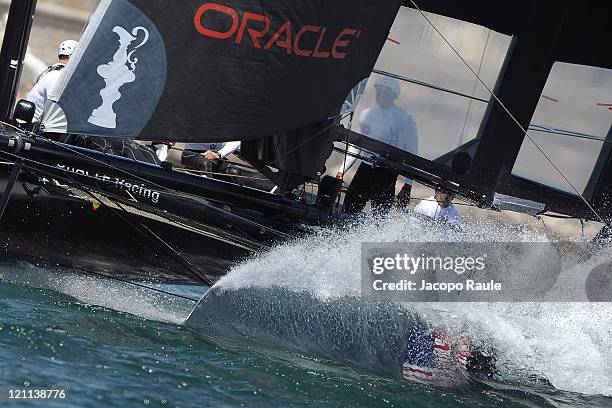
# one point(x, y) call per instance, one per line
point(48, 79)
point(439, 206)
point(394, 126)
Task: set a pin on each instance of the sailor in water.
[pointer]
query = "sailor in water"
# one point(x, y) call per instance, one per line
point(440, 206)
point(48, 79)
point(392, 125)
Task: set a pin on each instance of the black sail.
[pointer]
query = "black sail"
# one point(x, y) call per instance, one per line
point(193, 70)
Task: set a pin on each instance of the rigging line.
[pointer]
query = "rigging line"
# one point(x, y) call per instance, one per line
point(346, 147)
point(525, 133)
point(301, 195)
point(427, 85)
point(562, 132)
point(194, 271)
point(156, 239)
point(188, 265)
point(100, 274)
point(571, 132)
point(559, 216)
point(173, 147)
point(168, 191)
point(71, 181)
point(66, 147)
point(212, 173)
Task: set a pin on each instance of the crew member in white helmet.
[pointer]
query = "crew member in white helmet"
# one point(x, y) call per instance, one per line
point(439, 207)
point(389, 124)
point(48, 79)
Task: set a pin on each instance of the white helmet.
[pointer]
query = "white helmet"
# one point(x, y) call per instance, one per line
point(66, 48)
point(390, 83)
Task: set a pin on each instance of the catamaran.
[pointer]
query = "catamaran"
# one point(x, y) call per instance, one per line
point(276, 77)
point(494, 87)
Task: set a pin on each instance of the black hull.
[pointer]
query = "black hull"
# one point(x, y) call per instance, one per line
point(54, 230)
point(84, 210)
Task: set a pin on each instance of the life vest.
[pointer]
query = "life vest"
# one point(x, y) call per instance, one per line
point(54, 67)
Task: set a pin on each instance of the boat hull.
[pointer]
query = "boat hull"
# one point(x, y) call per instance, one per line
point(52, 227)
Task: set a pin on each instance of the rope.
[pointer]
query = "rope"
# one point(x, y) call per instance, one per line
point(428, 85)
point(525, 133)
point(71, 180)
point(343, 163)
point(167, 190)
point(562, 132)
point(212, 173)
point(103, 275)
point(559, 216)
point(155, 238)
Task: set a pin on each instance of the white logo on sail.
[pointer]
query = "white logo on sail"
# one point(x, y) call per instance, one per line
point(117, 73)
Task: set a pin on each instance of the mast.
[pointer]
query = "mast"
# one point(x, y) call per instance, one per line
point(14, 46)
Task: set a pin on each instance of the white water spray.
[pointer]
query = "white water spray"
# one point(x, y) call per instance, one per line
point(566, 343)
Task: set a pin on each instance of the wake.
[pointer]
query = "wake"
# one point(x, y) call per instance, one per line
point(306, 295)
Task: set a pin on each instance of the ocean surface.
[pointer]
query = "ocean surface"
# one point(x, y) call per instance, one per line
point(113, 345)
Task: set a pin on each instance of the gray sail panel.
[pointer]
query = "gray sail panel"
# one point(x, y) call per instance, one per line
point(120, 54)
point(54, 118)
point(569, 126)
point(432, 83)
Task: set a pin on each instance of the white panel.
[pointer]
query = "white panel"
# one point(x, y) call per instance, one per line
point(574, 100)
point(444, 120)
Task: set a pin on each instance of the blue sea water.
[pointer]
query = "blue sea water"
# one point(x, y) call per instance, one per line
point(107, 358)
point(262, 341)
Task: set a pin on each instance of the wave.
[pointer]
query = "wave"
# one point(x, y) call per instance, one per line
point(306, 295)
point(107, 293)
